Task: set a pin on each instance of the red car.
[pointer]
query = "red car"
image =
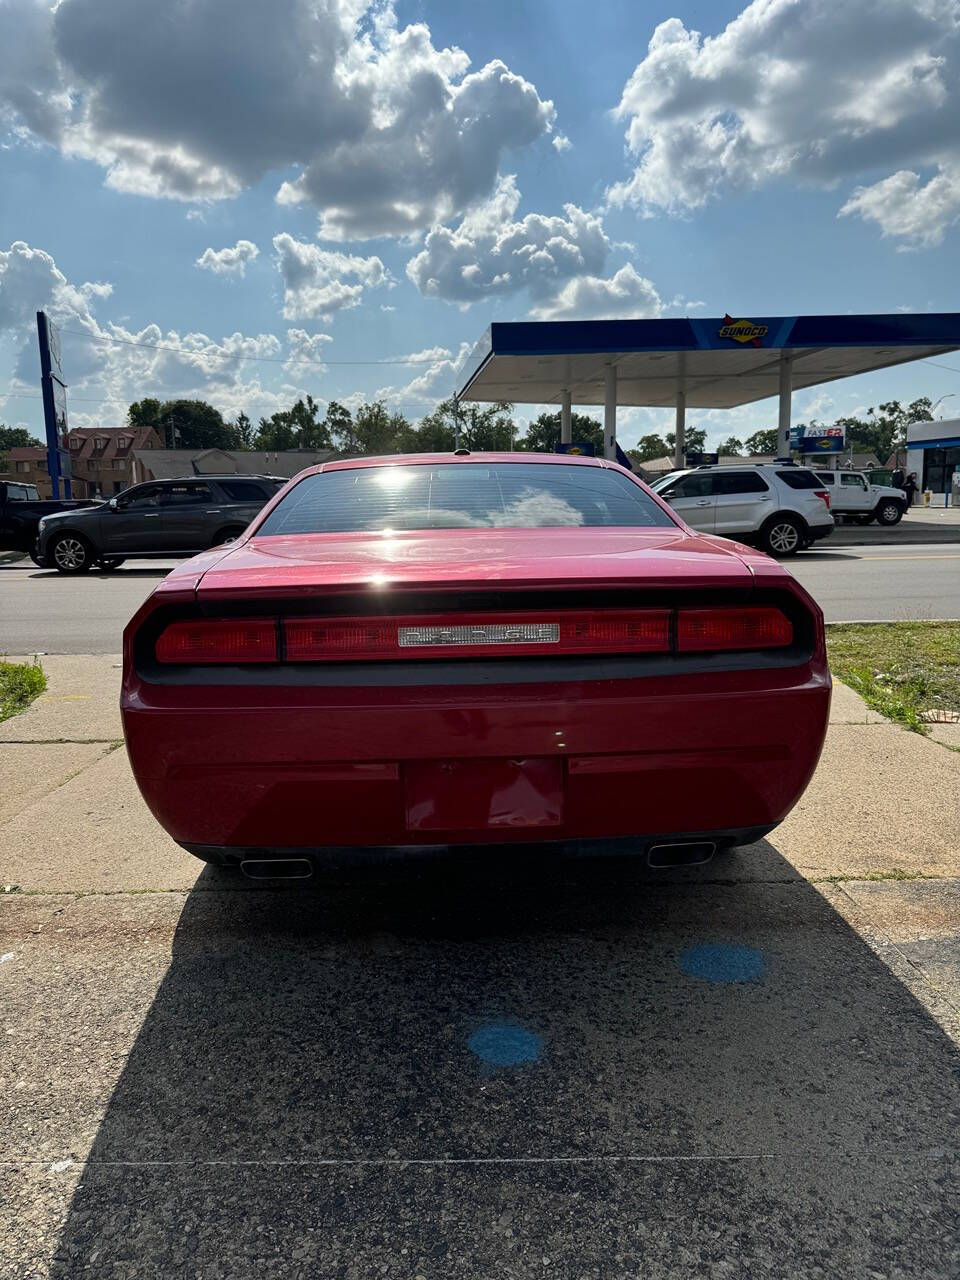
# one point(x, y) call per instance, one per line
point(439, 650)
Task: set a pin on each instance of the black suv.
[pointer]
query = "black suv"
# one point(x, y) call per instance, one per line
point(159, 518)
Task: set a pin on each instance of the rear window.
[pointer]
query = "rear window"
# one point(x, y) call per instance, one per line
point(801, 478)
point(827, 477)
point(463, 496)
point(243, 490)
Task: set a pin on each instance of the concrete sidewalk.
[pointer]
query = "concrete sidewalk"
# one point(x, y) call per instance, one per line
point(919, 525)
point(73, 820)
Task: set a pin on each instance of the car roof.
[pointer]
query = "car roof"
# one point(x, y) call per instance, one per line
point(230, 475)
point(461, 459)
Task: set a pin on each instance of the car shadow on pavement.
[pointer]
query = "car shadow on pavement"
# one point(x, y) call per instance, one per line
point(102, 573)
point(510, 1067)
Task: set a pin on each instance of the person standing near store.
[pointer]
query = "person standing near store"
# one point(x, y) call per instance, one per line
point(910, 487)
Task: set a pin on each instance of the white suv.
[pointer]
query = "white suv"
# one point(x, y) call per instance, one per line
point(852, 495)
point(780, 507)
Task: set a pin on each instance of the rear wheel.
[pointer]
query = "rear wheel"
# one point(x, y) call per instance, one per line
point(228, 534)
point(71, 554)
point(889, 511)
point(109, 563)
point(782, 536)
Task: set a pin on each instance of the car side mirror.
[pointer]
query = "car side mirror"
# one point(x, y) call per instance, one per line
point(113, 504)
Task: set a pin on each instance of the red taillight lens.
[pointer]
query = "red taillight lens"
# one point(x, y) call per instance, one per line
point(477, 635)
point(227, 640)
point(753, 627)
point(825, 495)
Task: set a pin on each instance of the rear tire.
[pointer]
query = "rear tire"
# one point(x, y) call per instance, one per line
point(35, 557)
point(889, 512)
point(782, 536)
point(70, 553)
point(228, 534)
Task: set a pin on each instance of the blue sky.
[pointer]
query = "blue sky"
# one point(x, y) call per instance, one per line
point(364, 183)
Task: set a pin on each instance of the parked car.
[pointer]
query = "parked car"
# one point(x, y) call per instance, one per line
point(488, 648)
point(779, 507)
point(158, 518)
point(852, 495)
point(21, 510)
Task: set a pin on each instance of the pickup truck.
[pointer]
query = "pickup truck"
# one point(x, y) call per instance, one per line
point(854, 497)
point(21, 509)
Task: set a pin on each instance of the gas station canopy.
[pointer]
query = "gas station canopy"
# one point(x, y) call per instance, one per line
point(716, 363)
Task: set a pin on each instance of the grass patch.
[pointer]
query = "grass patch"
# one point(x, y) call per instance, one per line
point(900, 669)
point(20, 683)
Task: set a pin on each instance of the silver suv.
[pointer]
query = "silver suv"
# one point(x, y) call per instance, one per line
point(780, 507)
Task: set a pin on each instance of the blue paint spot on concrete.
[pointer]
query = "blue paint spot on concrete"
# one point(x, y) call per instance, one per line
point(721, 962)
point(502, 1045)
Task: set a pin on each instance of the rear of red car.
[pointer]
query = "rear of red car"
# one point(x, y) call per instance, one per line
point(471, 683)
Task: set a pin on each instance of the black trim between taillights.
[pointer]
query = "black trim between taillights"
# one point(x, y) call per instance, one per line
point(535, 668)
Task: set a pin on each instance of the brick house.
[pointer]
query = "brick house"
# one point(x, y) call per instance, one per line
point(104, 458)
point(27, 464)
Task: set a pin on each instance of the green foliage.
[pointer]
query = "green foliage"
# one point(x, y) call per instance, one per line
point(17, 438)
point(243, 434)
point(299, 427)
point(649, 448)
point(731, 448)
point(543, 434)
point(145, 413)
point(20, 683)
point(762, 441)
point(900, 669)
point(884, 430)
point(183, 424)
point(694, 440)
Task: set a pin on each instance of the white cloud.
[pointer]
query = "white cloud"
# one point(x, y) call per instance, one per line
point(317, 283)
point(435, 382)
point(385, 134)
point(493, 254)
point(113, 364)
point(558, 260)
point(228, 262)
point(561, 142)
point(626, 294)
point(901, 205)
point(304, 349)
point(802, 89)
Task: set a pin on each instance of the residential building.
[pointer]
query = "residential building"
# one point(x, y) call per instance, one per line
point(28, 465)
point(169, 464)
point(105, 458)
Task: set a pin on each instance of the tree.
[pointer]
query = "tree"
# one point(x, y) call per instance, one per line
point(694, 440)
point(183, 424)
point(762, 441)
point(17, 438)
point(543, 434)
point(339, 424)
point(649, 448)
point(145, 413)
point(242, 430)
point(298, 427)
point(435, 433)
point(884, 431)
point(731, 448)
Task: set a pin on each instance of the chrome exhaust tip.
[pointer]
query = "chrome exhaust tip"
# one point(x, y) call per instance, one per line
point(681, 853)
point(277, 868)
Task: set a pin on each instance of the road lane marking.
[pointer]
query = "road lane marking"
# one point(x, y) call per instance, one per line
point(951, 556)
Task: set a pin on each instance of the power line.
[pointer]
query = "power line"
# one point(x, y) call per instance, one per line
point(218, 353)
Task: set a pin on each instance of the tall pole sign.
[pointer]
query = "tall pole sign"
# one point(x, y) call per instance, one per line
point(54, 405)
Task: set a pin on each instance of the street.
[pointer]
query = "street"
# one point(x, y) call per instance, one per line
point(42, 611)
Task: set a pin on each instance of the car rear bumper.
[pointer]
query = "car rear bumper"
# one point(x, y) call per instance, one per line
point(315, 767)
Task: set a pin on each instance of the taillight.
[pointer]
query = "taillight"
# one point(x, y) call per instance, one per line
point(222, 640)
point(824, 494)
point(752, 627)
point(541, 634)
point(466, 635)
